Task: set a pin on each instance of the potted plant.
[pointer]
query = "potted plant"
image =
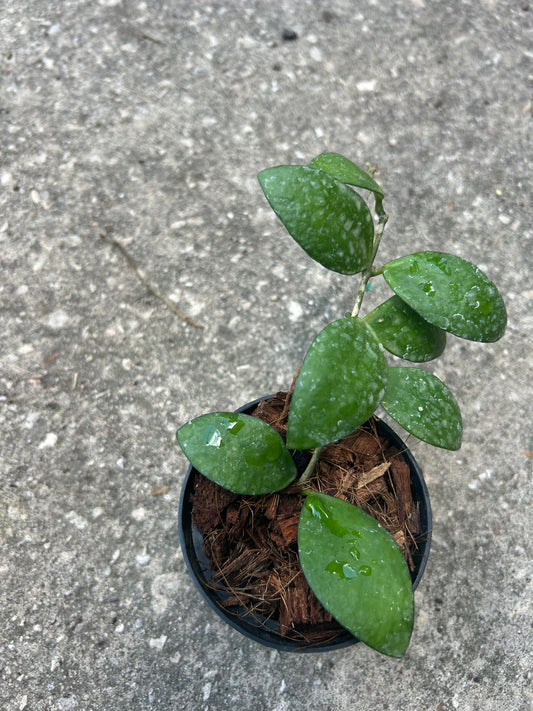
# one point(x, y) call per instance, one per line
point(350, 561)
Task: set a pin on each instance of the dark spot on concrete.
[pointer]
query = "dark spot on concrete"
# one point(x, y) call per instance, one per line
point(289, 35)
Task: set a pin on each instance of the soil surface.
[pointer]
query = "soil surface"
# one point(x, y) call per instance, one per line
point(251, 541)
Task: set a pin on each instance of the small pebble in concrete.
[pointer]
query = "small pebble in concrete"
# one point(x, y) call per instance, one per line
point(49, 441)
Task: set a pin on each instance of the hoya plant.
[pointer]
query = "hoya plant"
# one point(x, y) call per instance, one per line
point(352, 564)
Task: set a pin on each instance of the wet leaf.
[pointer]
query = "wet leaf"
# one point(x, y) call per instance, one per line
point(357, 571)
point(240, 452)
point(344, 170)
point(404, 333)
point(424, 406)
point(329, 220)
point(450, 293)
point(340, 384)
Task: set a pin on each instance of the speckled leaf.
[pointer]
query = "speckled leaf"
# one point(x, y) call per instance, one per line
point(344, 170)
point(404, 333)
point(340, 384)
point(424, 406)
point(240, 452)
point(328, 219)
point(357, 571)
point(450, 293)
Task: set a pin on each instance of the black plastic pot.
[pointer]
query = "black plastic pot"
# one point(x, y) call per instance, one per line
point(267, 632)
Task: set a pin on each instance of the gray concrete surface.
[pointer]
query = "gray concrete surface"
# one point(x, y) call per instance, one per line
point(148, 121)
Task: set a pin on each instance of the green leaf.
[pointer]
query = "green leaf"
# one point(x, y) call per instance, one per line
point(404, 333)
point(340, 384)
point(240, 452)
point(450, 293)
point(329, 220)
point(344, 170)
point(424, 406)
point(357, 571)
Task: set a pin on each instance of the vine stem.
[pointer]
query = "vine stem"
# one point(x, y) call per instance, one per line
point(370, 271)
point(310, 468)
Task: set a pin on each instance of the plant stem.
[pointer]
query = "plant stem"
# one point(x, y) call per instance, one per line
point(365, 276)
point(307, 492)
point(370, 271)
point(310, 468)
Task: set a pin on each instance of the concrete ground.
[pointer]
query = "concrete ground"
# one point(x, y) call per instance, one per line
point(146, 123)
